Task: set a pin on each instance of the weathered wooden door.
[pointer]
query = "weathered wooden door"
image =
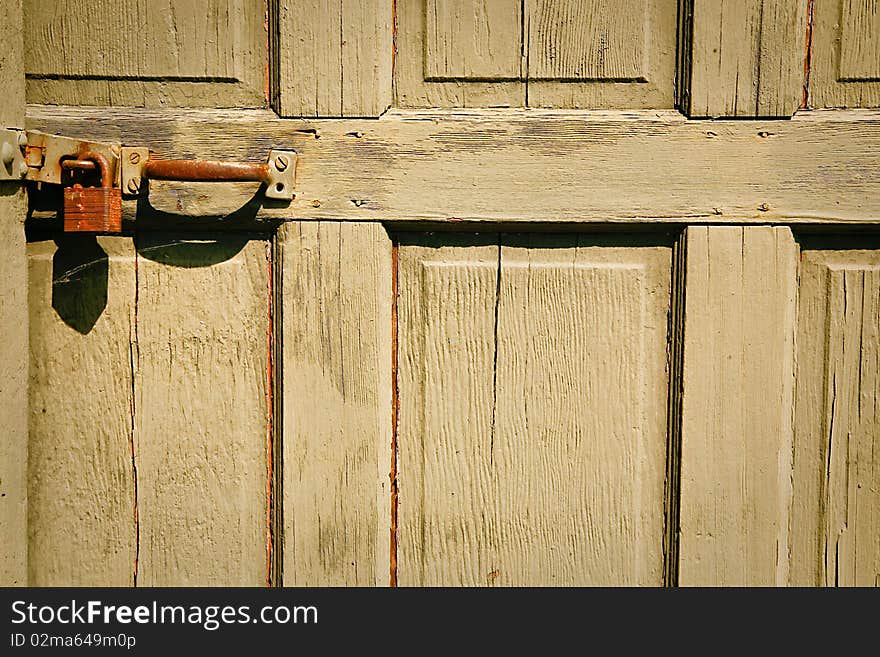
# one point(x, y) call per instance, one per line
point(540, 313)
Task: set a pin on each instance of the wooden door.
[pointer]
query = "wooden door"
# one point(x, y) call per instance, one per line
point(13, 320)
point(540, 313)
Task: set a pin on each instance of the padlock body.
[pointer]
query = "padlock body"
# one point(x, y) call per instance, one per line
point(92, 209)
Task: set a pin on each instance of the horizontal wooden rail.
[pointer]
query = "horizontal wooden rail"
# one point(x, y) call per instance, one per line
point(520, 165)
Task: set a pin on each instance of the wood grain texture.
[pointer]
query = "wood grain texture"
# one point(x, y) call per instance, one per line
point(12, 65)
point(836, 510)
point(845, 62)
point(334, 57)
point(81, 480)
point(482, 166)
point(570, 54)
point(859, 46)
point(471, 40)
point(601, 53)
point(533, 423)
point(745, 58)
point(481, 42)
point(446, 316)
point(196, 53)
point(13, 386)
point(13, 323)
point(336, 406)
point(738, 380)
point(200, 410)
point(587, 40)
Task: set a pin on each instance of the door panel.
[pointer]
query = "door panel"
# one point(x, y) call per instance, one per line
point(736, 418)
point(335, 300)
point(466, 40)
point(201, 410)
point(149, 411)
point(82, 524)
point(532, 436)
point(743, 58)
point(332, 57)
point(845, 62)
point(601, 53)
point(539, 53)
point(198, 53)
point(836, 509)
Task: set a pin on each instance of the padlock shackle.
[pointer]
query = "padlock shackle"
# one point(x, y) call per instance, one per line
point(88, 161)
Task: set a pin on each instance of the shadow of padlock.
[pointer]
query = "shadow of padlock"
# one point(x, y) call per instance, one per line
point(93, 209)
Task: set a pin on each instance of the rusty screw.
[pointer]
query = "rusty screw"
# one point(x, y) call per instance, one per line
point(133, 185)
point(281, 162)
point(134, 158)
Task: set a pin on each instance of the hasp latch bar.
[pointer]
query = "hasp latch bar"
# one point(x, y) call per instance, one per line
point(33, 156)
point(278, 173)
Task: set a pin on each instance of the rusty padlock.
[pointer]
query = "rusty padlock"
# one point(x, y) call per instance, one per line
point(93, 209)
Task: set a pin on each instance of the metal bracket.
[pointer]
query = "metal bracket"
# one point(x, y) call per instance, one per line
point(12, 148)
point(278, 173)
point(44, 153)
point(282, 175)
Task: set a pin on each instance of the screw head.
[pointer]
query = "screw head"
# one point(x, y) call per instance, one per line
point(133, 185)
point(134, 158)
point(281, 162)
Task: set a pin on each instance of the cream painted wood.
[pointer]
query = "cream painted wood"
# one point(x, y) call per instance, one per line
point(612, 54)
point(737, 395)
point(845, 61)
point(532, 432)
point(414, 73)
point(13, 320)
point(836, 509)
point(82, 517)
point(859, 47)
point(13, 386)
point(481, 166)
point(335, 296)
point(473, 40)
point(333, 57)
point(446, 323)
point(149, 407)
point(744, 58)
point(201, 410)
point(195, 53)
point(507, 53)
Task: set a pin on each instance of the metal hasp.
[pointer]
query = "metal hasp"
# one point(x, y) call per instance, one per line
point(278, 173)
point(48, 157)
point(40, 157)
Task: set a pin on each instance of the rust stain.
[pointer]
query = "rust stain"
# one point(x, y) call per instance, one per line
point(267, 72)
point(808, 56)
point(395, 410)
point(393, 37)
point(134, 357)
point(491, 577)
point(270, 404)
